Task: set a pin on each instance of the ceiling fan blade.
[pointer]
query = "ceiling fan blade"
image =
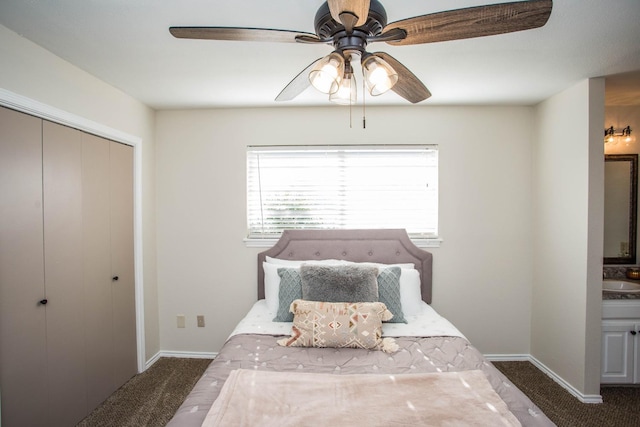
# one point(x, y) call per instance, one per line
point(240, 34)
point(408, 85)
point(473, 22)
point(297, 85)
point(359, 8)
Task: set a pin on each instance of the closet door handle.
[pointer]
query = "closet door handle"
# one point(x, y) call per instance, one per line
point(115, 278)
point(44, 301)
point(633, 332)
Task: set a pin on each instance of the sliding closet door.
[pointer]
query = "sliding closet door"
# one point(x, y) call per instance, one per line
point(22, 318)
point(122, 266)
point(107, 189)
point(67, 299)
point(62, 189)
point(97, 268)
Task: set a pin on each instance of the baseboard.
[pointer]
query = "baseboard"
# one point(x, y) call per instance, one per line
point(508, 357)
point(182, 354)
point(149, 363)
point(584, 398)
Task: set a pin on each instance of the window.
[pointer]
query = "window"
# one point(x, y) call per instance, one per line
point(338, 187)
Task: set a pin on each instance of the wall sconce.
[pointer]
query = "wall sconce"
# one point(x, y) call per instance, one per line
point(623, 135)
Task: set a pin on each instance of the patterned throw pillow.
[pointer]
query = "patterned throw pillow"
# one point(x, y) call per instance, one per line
point(290, 290)
point(340, 324)
point(389, 293)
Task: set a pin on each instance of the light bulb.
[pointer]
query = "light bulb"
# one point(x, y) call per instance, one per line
point(610, 136)
point(327, 74)
point(346, 93)
point(379, 75)
point(626, 136)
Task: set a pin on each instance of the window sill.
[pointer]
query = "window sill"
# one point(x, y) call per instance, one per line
point(267, 243)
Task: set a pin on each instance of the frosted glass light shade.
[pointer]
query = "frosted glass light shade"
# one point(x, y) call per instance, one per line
point(378, 74)
point(346, 93)
point(327, 74)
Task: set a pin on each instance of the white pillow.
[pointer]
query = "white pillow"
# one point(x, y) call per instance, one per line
point(271, 286)
point(410, 292)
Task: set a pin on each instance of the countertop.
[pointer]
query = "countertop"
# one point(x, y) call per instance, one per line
point(606, 295)
point(619, 295)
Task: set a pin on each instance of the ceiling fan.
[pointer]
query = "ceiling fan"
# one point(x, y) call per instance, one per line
point(350, 25)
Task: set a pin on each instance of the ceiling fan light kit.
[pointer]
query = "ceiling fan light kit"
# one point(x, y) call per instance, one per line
point(327, 74)
point(350, 25)
point(346, 93)
point(378, 74)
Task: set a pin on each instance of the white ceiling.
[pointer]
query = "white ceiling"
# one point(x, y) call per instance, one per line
point(126, 43)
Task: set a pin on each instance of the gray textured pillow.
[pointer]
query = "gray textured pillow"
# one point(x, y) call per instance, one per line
point(389, 293)
point(340, 283)
point(290, 290)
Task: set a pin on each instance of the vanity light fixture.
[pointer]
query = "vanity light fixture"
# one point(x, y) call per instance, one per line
point(611, 136)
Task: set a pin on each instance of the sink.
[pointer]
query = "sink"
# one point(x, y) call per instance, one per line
point(611, 285)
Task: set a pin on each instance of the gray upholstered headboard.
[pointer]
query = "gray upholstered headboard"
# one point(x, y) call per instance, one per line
point(383, 246)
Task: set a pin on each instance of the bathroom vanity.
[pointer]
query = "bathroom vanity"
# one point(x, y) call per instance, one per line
point(620, 335)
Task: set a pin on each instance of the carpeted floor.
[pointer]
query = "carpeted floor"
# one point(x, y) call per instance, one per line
point(151, 398)
point(620, 407)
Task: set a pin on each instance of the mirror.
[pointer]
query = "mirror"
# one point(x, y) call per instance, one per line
point(620, 208)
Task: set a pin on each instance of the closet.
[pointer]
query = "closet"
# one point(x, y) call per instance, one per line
point(67, 298)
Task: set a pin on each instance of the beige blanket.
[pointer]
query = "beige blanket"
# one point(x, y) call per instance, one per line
point(264, 398)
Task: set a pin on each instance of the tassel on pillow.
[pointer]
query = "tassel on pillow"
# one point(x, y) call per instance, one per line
point(389, 345)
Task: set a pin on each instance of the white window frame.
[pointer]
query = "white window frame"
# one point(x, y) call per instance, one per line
point(255, 176)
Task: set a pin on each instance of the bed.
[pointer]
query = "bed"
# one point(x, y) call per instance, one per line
point(425, 373)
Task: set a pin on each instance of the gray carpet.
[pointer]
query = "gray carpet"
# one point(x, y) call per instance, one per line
point(151, 398)
point(620, 407)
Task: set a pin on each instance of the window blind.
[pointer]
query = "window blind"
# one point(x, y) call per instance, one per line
point(339, 187)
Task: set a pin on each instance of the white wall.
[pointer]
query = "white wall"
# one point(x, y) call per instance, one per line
point(568, 200)
point(482, 271)
point(32, 72)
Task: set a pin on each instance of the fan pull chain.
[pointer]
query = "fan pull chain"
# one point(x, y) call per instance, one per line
point(350, 114)
point(364, 115)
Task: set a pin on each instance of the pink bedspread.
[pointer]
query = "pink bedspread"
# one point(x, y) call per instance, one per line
point(416, 355)
point(280, 399)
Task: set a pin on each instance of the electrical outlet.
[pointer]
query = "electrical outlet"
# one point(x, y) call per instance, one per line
point(200, 321)
point(181, 321)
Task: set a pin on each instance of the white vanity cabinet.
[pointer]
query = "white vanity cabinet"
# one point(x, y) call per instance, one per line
point(620, 342)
